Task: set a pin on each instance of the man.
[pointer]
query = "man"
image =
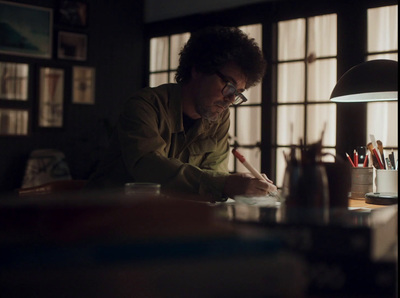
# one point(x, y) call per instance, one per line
point(177, 134)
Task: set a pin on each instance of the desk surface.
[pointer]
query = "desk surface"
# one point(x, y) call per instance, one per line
point(361, 204)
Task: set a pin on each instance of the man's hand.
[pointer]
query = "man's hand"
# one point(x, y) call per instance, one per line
point(245, 184)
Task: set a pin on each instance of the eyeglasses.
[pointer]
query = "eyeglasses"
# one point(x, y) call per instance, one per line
point(230, 89)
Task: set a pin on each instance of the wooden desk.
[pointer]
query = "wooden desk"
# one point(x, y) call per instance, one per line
point(357, 247)
point(361, 204)
point(111, 246)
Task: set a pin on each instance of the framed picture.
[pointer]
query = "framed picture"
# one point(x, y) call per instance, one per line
point(13, 122)
point(25, 30)
point(14, 81)
point(51, 97)
point(73, 13)
point(83, 80)
point(72, 46)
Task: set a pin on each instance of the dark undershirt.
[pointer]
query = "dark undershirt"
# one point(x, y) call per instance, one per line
point(188, 122)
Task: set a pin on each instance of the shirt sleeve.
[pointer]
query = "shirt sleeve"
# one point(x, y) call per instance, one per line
point(144, 154)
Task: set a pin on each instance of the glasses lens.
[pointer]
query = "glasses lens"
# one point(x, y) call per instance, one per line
point(228, 90)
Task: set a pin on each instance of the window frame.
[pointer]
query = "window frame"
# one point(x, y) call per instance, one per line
point(351, 49)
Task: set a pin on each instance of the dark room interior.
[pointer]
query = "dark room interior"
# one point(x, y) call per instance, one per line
point(290, 242)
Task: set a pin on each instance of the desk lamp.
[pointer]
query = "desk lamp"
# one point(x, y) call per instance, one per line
point(374, 80)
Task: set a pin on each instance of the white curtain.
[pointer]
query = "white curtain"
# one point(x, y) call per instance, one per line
point(382, 117)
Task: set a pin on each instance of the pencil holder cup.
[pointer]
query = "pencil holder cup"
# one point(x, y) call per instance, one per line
point(339, 180)
point(386, 181)
point(361, 182)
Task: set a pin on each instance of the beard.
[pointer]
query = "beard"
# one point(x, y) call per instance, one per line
point(208, 112)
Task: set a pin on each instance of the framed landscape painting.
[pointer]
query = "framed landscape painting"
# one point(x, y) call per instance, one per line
point(25, 30)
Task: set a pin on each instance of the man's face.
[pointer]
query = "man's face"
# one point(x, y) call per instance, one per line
point(208, 99)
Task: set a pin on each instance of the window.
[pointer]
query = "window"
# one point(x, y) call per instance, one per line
point(306, 74)
point(382, 117)
point(306, 46)
point(246, 123)
point(164, 57)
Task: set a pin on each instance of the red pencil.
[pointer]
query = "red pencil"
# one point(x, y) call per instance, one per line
point(348, 157)
point(365, 161)
point(355, 158)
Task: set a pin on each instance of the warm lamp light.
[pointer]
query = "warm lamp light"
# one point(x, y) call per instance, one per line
point(374, 80)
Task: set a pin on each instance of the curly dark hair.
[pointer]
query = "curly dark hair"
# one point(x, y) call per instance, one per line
point(210, 49)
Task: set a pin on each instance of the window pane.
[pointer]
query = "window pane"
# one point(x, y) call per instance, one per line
point(280, 165)
point(291, 39)
point(290, 117)
point(248, 125)
point(253, 157)
point(232, 126)
point(382, 29)
point(159, 53)
point(13, 122)
point(13, 81)
point(254, 31)
point(322, 35)
point(391, 56)
point(172, 76)
point(386, 131)
point(320, 116)
point(328, 157)
point(253, 95)
point(291, 82)
point(177, 43)
point(157, 79)
point(232, 138)
point(383, 36)
point(321, 79)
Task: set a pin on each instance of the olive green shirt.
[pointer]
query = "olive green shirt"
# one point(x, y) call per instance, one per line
point(151, 145)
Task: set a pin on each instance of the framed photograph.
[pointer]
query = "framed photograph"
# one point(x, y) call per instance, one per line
point(83, 80)
point(13, 122)
point(73, 13)
point(72, 46)
point(51, 97)
point(25, 30)
point(14, 81)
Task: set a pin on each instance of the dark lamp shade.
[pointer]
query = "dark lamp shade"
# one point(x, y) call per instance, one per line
point(374, 80)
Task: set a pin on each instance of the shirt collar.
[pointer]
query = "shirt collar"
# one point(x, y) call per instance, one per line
point(175, 105)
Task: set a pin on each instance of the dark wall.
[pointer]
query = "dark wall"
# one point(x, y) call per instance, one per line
point(115, 49)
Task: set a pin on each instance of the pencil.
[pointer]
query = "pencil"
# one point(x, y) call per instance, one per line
point(381, 154)
point(355, 158)
point(248, 166)
point(365, 161)
point(348, 157)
